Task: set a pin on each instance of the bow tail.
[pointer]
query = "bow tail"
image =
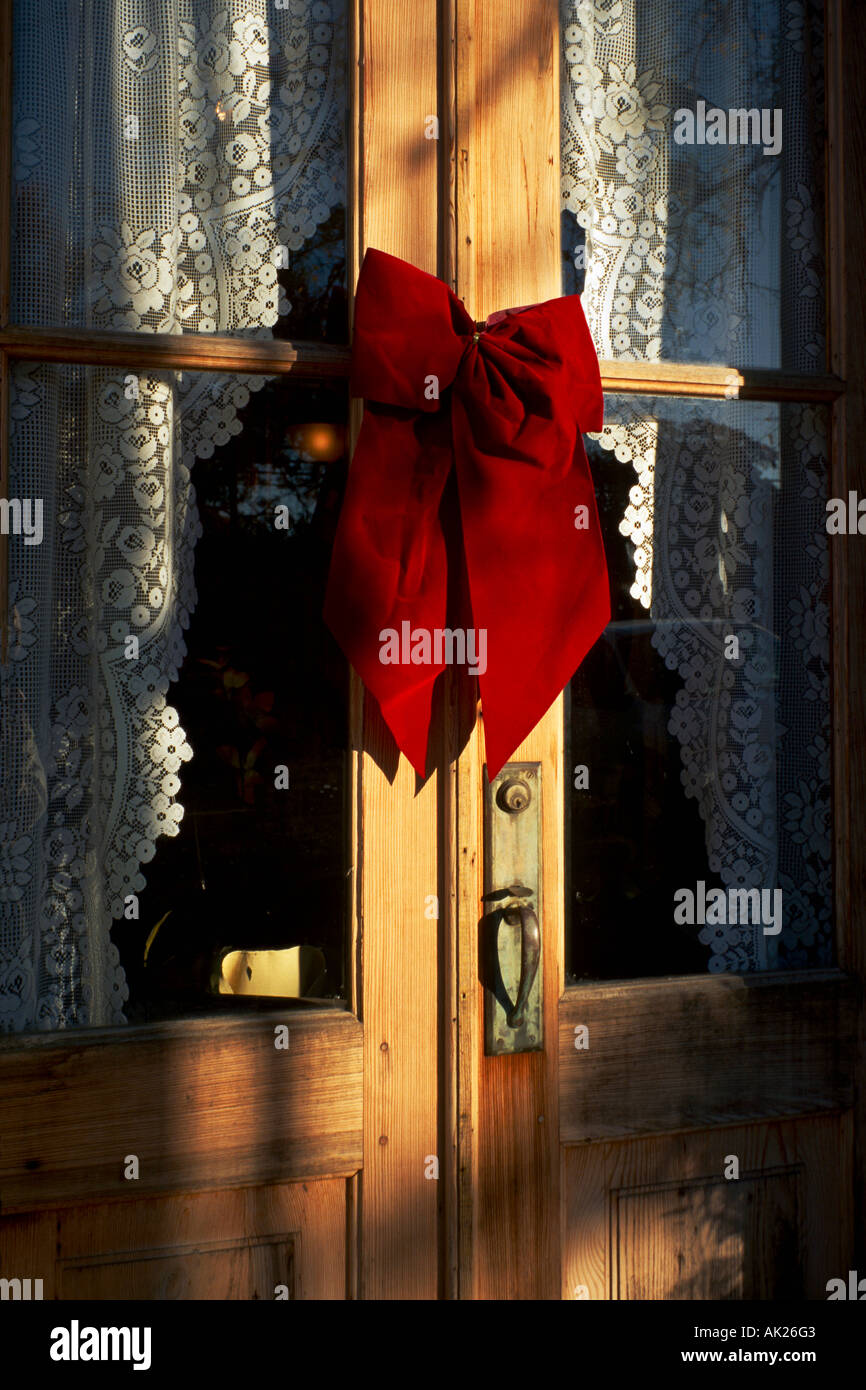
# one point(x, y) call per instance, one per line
point(538, 581)
point(387, 583)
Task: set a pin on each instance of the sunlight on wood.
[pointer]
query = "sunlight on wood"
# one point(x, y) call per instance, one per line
point(295, 973)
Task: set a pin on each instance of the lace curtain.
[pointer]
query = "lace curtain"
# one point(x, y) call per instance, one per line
point(707, 253)
point(170, 157)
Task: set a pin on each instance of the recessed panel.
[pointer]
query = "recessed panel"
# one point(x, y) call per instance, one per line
point(241, 1269)
point(737, 1239)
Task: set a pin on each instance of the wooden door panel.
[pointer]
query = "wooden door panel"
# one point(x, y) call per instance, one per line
point(730, 1047)
point(247, 1269)
point(239, 1244)
point(658, 1219)
point(203, 1103)
point(203, 1106)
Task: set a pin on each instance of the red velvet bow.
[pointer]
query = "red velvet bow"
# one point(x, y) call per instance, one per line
point(505, 409)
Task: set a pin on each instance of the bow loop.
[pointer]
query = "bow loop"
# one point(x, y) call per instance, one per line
point(410, 334)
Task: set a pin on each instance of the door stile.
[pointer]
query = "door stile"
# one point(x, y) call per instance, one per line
point(397, 181)
point(508, 253)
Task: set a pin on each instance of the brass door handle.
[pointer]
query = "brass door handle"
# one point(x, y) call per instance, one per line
point(530, 954)
point(512, 970)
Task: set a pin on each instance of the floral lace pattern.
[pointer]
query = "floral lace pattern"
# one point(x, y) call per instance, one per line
point(210, 148)
point(679, 267)
point(89, 789)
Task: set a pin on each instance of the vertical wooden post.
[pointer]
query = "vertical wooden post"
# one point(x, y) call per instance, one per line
point(399, 1243)
point(507, 253)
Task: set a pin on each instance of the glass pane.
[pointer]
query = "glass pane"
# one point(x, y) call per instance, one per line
point(699, 754)
point(692, 143)
point(174, 712)
point(181, 168)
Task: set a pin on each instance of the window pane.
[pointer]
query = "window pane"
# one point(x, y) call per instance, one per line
point(173, 713)
point(699, 741)
point(259, 862)
point(181, 168)
point(692, 142)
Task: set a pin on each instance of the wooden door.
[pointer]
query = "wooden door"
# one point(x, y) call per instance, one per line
point(196, 1158)
point(601, 1168)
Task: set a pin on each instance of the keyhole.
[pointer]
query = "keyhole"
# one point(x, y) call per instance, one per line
point(513, 796)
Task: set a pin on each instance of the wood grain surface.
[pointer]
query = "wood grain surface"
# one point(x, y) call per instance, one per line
point(506, 219)
point(206, 1104)
point(211, 1245)
point(686, 1053)
point(658, 1219)
point(399, 869)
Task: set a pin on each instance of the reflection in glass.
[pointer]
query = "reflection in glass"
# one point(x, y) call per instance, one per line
point(258, 861)
point(707, 759)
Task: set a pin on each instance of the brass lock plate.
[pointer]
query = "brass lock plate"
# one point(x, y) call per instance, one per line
point(512, 921)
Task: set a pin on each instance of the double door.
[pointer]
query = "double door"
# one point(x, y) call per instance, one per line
point(688, 1136)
